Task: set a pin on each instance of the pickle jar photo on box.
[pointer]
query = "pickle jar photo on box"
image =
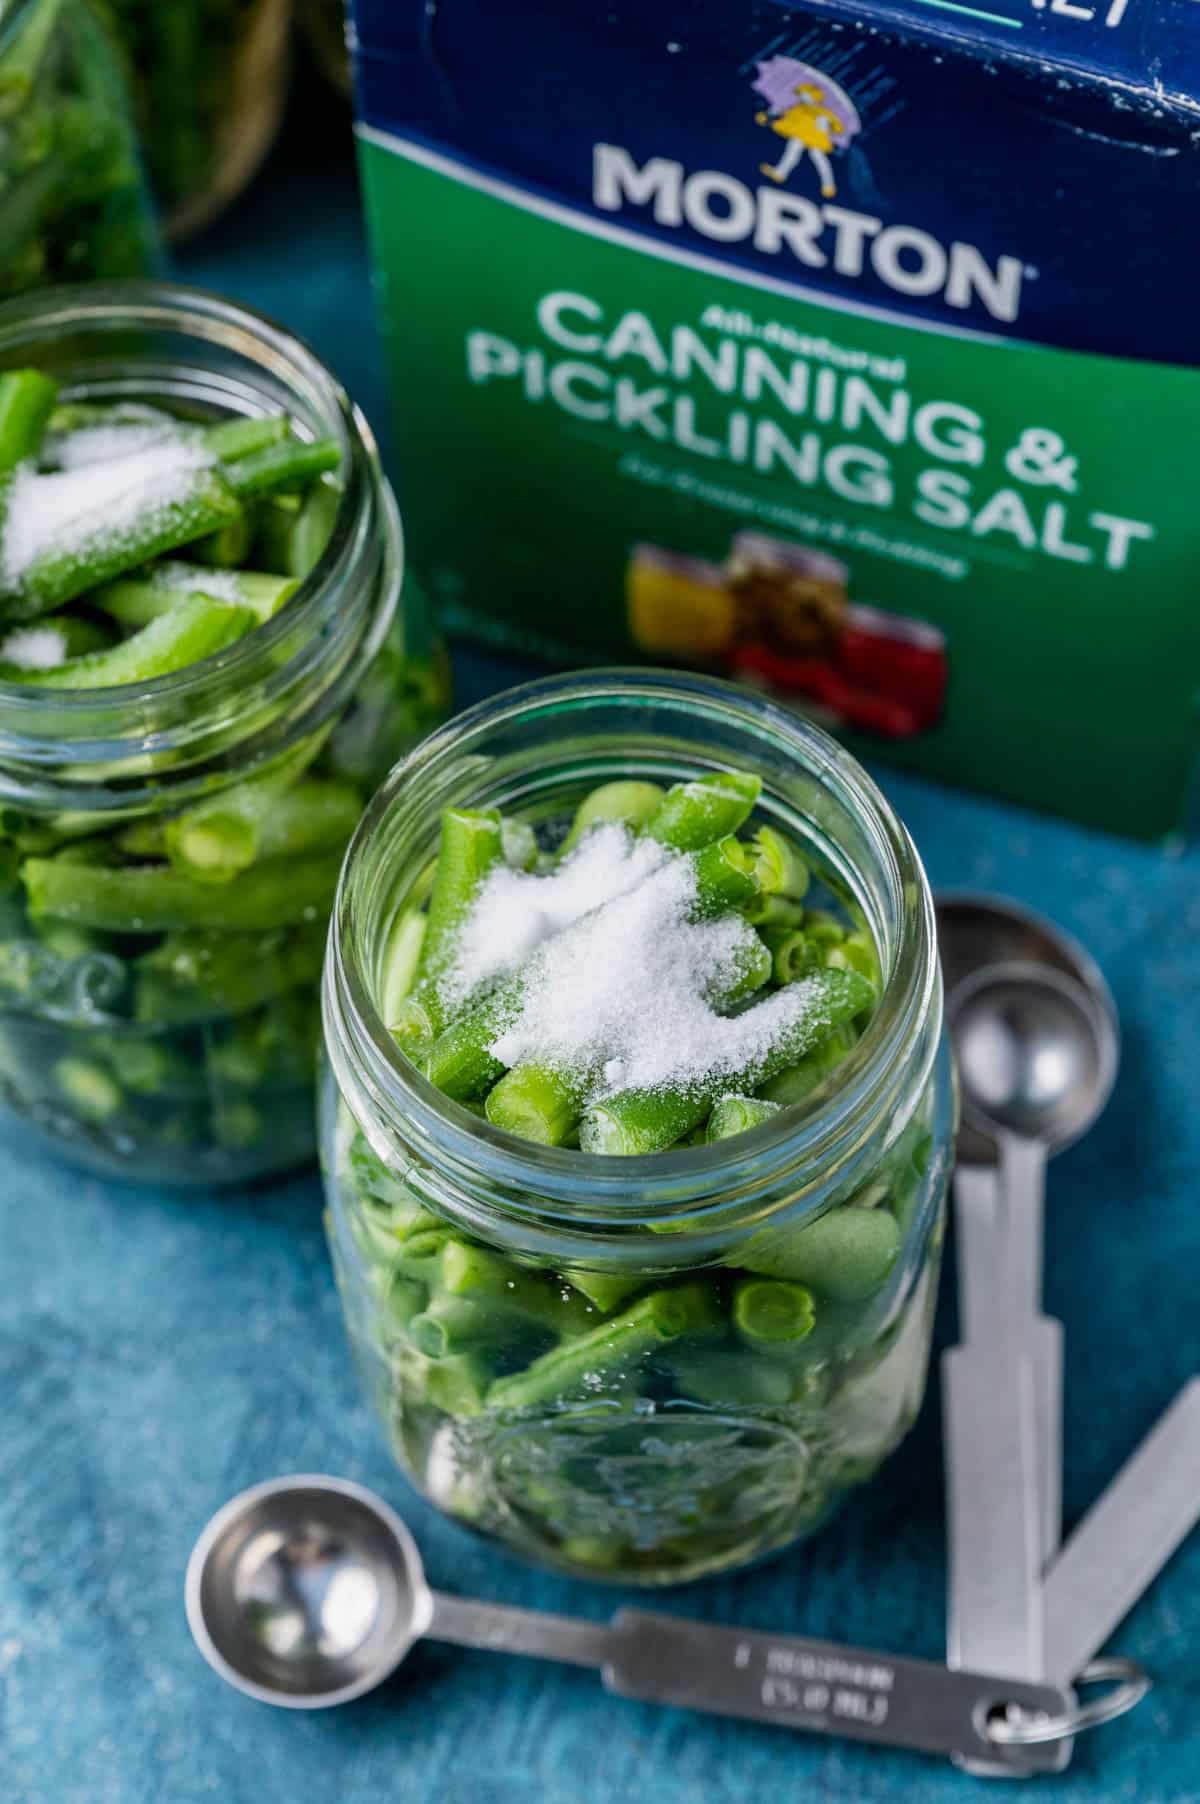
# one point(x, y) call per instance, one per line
point(206, 666)
point(637, 1122)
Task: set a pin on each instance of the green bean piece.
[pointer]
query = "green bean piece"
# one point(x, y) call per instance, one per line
point(58, 576)
point(627, 801)
point(779, 865)
point(134, 601)
point(470, 1271)
point(143, 839)
point(695, 813)
point(157, 899)
point(769, 1314)
point(313, 527)
point(459, 1386)
point(855, 953)
point(724, 877)
point(219, 839)
point(198, 628)
point(605, 1290)
point(448, 1326)
point(27, 400)
point(802, 1078)
point(793, 954)
point(774, 911)
point(823, 928)
point(637, 1121)
point(228, 549)
point(289, 464)
point(195, 976)
point(89, 1088)
point(734, 1114)
point(726, 1379)
point(274, 525)
point(846, 1254)
point(471, 843)
point(608, 1349)
point(400, 961)
point(50, 642)
point(537, 1103)
point(235, 438)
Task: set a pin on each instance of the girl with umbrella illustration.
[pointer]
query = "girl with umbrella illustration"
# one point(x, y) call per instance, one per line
point(810, 112)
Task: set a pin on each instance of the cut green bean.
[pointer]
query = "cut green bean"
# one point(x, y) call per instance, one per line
point(626, 801)
point(769, 1314)
point(400, 961)
point(154, 899)
point(695, 813)
point(779, 865)
point(225, 836)
point(193, 976)
point(735, 1114)
point(312, 528)
point(793, 954)
point(198, 628)
point(135, 601)
point(846, 1254)
point(289, 464)
point(232, 439)
point(638, 1121)
point(471, 844)
point(88, 1088)
point(27, 399)
point(57, 576)
point(608, 1349)
point(801, 1079)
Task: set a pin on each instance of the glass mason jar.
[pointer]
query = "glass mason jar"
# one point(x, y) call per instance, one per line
point(73, 203)
point(564, 1415)
point(210, 80)
point(188, 1056)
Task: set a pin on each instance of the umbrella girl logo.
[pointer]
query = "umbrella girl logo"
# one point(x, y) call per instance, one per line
point(810, 112)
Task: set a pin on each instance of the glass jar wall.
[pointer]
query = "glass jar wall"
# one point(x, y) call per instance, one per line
point(562, 1346)
point(73, 204)
point(209, 81)
point(159, 1020)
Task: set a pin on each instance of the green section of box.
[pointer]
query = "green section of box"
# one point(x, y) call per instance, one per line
point(540, 440)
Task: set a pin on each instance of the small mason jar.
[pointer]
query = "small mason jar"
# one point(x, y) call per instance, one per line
point(73, 203)
point(188, 1056)
point(570, 1410)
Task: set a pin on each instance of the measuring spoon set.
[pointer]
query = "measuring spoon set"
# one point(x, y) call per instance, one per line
point(309, 1591)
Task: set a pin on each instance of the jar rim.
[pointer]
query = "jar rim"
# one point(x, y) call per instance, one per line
point(746, 1175)
point(176, 711)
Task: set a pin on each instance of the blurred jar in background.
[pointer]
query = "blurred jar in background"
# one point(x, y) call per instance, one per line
point(73, 203)
point(210, 79)
point(324, 24)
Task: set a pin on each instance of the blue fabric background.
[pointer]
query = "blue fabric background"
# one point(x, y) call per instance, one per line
point(159, 1352)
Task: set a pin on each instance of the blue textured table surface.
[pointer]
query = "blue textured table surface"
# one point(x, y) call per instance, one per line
point(159, 1352)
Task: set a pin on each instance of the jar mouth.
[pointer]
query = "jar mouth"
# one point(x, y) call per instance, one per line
point(131, 340)
point(806, 1148)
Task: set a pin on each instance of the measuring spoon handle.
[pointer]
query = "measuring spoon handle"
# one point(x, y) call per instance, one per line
point(825, 1688)
point(507, 1629)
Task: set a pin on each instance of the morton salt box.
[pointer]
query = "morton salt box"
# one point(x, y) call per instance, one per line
point(847, 351)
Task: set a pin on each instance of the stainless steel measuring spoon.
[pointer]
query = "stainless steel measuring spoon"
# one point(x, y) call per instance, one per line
point(309, 1591)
